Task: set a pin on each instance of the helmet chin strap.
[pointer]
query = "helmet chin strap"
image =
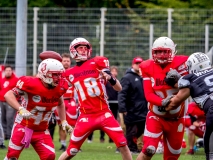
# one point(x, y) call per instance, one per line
point(80, 57)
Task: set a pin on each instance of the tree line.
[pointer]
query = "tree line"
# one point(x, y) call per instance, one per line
point(114, 3)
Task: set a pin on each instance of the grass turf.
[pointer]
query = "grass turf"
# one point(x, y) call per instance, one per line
point(97, 151)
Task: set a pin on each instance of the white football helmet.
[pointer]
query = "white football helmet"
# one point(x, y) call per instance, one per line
point(163, 44)
point(50, 71)
point(198, 61)
point(77, 42)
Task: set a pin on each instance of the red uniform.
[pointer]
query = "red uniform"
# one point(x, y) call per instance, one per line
point(70, 106)
point(94, 108)
point(199, 115)
point(170, 124)
point(6, 85)
point(41, 102)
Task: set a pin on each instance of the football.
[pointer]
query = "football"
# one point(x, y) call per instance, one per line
point(50, 54)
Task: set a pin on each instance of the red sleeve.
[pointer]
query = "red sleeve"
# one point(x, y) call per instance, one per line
point(24, 83)
point(147, 83)
point(194, 110)
point(69, 77)
point(101, 62)
point(180, 64)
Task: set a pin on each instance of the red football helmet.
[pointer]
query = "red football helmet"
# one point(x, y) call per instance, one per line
point(78, 42)
point(163, 50)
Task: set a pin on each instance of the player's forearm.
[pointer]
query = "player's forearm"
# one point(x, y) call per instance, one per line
point(176, 101)
point(117, 86)
point(150, 94)
point(11, 100)
point(153, 99)
point(61, 110)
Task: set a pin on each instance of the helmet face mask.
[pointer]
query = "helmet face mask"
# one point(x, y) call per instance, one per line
point(163, 50)
point(75, 44)
point(162, 55)
point(198, 61)
point(50, 71)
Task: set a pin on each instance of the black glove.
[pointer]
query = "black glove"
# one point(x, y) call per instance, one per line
point(172, 77)
point(162, 109)
point(112, 80)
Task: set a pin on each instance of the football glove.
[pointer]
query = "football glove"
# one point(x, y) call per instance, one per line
point(172, 77)
point(164, 103)
point(66, 126)
point(24, 113)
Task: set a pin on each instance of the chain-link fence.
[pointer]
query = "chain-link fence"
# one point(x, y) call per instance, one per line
point(127, 32)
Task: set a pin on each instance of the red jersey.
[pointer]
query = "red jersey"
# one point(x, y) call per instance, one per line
point(39, 100)
point(6, 85)
point(195, 111)
point(155, 87)
point(69, 93)
point(91, 91)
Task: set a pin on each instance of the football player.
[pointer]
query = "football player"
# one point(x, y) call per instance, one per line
point(160, 76)
point(195, 122)
point(39, 97)
point(70, 105)
point(89, 78)
point(198, 83)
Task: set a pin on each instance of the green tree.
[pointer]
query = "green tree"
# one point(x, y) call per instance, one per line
point(114, 3)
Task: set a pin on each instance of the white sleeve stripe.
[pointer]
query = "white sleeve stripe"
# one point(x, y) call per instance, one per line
point(146, 78)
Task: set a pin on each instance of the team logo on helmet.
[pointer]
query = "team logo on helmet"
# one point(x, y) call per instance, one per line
point(43, 67)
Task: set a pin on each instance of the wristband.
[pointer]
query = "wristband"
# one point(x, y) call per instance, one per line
point(112, 81)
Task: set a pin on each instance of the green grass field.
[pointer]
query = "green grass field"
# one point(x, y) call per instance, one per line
point(96, 151)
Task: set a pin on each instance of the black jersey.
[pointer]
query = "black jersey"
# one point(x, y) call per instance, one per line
point(200, 85)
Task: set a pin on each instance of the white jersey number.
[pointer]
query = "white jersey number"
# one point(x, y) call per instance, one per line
point(209, 82)
point(92, 88)
point(40, 115)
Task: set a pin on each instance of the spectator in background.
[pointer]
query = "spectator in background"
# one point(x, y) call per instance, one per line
point(8, 113)
point(132, 103)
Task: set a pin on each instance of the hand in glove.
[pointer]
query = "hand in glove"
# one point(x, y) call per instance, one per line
point(24, 113)
point(66, 126)
point(172, 77)
point(164, 103)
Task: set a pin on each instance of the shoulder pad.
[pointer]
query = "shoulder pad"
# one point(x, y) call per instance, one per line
point(178, 60)
point(145, 66)
point(101, 62)
point(24, 82)
point(184, 81)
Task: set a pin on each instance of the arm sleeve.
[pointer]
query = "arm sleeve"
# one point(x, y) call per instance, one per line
point(150, 95)
point(123, 95)
point(149, 92)
point(102, 63)
point(24, 84)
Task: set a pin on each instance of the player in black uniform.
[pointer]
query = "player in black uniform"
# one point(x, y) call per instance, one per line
point(199, 84)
